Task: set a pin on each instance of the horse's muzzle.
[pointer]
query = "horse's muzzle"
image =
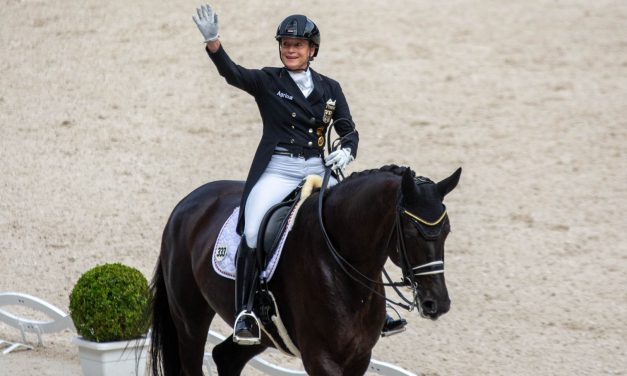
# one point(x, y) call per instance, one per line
point(431, 308)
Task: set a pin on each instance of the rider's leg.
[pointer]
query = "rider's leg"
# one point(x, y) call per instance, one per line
point(246, 328)
point(280, 178)
point(270, 189)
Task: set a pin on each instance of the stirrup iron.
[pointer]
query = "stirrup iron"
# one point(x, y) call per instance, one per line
point(247, 340)
point(393, 332)
point(401, 325)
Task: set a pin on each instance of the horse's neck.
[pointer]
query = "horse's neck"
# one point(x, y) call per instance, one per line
point(363, 214)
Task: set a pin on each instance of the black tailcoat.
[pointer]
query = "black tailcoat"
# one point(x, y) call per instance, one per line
point(289, 119)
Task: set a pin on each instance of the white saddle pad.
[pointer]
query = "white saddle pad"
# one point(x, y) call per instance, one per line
point(223, 259)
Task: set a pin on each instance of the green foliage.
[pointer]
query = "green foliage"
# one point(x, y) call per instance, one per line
point(110, 303)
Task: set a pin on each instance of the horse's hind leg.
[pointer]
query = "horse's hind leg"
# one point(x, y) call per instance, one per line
point(192, 340)
point(193, 317)
point(230, 358)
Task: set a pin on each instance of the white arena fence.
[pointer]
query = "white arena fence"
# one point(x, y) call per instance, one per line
point(59, 320)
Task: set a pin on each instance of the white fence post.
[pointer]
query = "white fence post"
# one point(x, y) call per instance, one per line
point(59, 319)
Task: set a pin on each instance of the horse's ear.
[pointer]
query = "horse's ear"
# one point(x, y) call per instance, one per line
point(408, 185)
point(448, 184)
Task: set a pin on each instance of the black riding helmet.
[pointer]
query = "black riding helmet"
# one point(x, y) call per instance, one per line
point(299, 26)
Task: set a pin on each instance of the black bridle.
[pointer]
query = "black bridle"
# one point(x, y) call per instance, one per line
point(410, 272)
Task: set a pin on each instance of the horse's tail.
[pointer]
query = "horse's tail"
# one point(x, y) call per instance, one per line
point(164, 350)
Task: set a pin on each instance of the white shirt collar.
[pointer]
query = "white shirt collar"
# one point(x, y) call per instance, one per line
point(303, 81)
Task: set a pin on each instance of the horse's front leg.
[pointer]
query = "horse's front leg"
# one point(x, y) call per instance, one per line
point(321, 364)
point(230, 358)
point(358, 365)
point(325, 363)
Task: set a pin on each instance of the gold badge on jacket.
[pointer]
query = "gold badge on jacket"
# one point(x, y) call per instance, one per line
point(329, 109)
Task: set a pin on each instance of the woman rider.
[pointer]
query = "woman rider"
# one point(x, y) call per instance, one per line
point(292, 101)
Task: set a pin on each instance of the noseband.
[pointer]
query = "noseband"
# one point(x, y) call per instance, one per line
point(429, 231)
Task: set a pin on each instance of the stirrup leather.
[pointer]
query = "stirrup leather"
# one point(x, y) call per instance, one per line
point(247, 340)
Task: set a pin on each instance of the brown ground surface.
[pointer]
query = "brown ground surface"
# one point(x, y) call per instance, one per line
point(110, 112)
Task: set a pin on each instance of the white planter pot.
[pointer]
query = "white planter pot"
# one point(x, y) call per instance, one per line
point(120, 358)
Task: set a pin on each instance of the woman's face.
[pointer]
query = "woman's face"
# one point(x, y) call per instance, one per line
point(295, 53)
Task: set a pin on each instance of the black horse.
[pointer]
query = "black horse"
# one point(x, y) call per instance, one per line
point(332, 305)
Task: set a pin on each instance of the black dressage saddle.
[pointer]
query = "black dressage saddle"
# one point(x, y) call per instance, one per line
point(273, 224)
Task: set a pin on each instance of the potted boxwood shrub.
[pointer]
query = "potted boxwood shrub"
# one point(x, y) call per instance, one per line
point(109, 307)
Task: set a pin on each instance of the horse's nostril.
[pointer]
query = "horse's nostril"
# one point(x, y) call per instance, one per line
point(429, 306)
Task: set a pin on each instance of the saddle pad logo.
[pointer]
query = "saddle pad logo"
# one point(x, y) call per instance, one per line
point(221, 252)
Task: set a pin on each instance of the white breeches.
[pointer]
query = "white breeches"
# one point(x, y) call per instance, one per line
point(282, 175)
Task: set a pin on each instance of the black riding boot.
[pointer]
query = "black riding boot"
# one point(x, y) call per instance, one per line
point(246, 329)
point(392, 326)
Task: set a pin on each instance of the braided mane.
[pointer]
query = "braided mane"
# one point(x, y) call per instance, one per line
point(393, 169)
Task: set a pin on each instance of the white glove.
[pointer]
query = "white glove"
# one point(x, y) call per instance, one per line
point(207, 22)
point(339, 159)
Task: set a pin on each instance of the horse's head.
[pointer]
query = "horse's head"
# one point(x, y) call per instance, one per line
point(422, 227)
